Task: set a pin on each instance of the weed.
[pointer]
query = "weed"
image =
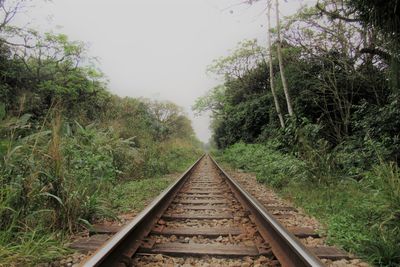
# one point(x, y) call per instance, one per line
point(270, 166)
point(362, 216)
point(134, 195)
point(30, 248)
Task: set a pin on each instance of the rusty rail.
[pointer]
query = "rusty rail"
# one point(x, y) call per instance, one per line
point(286, 247)
point(123, 245)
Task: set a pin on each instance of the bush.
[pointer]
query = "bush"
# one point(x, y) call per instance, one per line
point(66, 143)
point(64, 176)
point(270, 166)
point(61, 176)
point(362, 215)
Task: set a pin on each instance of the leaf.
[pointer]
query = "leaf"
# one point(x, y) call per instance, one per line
point(8, 208)
point(23, 120)
point(53, 196)
point(86, 223)
point(41, 211)
point(36, 135)
point(80, 126)
point(15, 149)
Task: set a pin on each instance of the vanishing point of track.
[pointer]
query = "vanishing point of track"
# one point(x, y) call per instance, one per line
point(205, 213)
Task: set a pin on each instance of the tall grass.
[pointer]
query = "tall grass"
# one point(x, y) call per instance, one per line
point(362, 215)
point(30, 248)
point(62, 176)
point(269, 165)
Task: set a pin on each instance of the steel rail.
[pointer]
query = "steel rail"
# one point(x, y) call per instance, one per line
point(123, 245)
point(285, 246)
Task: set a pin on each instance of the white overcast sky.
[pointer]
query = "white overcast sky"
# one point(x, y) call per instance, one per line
point(157, 49)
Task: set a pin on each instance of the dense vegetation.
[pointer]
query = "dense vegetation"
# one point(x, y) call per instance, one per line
point(68, 147)
point(337, 153)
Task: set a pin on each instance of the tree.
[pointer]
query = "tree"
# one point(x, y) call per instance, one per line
point(383, 19)
point(271, 71)
point(247, 55)
point(281, 67)
point(279, 52)
point(212, 101)
point(47, 69)
point(336, 74)
point(383, 14)
point(171, 120)
point(328, 77)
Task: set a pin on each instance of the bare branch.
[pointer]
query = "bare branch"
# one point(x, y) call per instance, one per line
point(335, 15)
point(376, 51)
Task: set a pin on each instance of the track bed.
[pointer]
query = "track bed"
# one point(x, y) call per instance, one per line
point(204, 219)
point(205, 224)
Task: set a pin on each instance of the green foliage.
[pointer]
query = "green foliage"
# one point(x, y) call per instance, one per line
point(89, 154)
point(55, 175)
point(338, 157)
point(270, 166)
point(384, 14)
point(384, 179)
point(68, 147)
point(361, 216)
point(172, 156)
point(30, 248)
point(341, 94)
point(243, 58)
point(212, 101)
point(133, 196)
point(381, 124)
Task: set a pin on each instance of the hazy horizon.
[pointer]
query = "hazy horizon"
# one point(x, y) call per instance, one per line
point(156, 49)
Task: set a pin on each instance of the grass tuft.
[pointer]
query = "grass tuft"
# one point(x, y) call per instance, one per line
point(362, 216)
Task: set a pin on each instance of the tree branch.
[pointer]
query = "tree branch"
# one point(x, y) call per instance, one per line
point(335, 15)
point(376, 51)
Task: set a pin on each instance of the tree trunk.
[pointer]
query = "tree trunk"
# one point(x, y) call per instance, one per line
point(271, 70)
point(281, 69)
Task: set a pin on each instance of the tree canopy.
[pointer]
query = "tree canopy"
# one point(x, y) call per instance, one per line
point(335, 84)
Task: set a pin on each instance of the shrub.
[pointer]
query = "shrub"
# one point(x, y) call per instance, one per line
point(362, 215)
point(270, 166)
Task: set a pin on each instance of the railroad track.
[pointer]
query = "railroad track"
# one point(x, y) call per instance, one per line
point(204, 218)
